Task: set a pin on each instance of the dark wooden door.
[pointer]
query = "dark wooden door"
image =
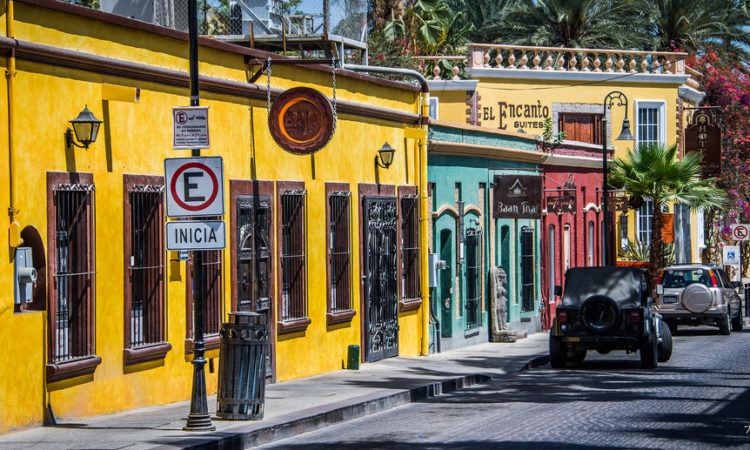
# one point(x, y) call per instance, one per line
point(254, 272)
point(381, 277)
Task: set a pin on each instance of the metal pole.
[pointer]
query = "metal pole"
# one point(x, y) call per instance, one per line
point(605, 194)
point(198, 419)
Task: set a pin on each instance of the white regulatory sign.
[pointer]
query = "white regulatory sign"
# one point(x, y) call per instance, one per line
point(740, 232)
point(195, 186)
point(731, 255)
point(196, 235)
point(190, 127)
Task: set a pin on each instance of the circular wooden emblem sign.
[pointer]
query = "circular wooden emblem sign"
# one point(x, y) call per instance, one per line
point(301, 120)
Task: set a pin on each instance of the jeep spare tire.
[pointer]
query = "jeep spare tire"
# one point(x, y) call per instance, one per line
point(600, 314)
point(697, 298)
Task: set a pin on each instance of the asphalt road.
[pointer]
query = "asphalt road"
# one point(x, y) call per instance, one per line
point(699, 399)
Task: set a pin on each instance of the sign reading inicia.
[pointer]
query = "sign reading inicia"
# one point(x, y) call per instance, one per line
point(517, 197)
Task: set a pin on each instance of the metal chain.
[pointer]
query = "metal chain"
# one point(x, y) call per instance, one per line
point(268, 89)
point(333, 72)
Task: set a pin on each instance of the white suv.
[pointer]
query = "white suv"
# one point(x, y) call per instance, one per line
point(698, 294)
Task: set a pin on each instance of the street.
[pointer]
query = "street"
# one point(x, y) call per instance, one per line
point(699, 399)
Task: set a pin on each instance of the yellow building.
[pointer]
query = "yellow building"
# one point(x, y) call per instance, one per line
point(516, 88)
point(110, 325)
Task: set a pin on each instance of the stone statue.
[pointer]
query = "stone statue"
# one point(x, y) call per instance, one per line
point(499, 306)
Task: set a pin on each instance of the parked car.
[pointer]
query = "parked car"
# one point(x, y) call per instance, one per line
point(699, 294)
point(605, 309)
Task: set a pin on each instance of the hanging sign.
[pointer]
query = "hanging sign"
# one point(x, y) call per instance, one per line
point(301, 120)
point(190, 128)
point(667, 228)
point(703, 136)
point(517, 197)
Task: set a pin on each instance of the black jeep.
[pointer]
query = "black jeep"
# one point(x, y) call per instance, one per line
point(604, 309)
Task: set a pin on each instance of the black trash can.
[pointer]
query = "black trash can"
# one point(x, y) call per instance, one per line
point(242, 367)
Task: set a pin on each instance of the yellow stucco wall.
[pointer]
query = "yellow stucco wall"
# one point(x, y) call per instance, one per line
point(135, 139)
point(452, 105)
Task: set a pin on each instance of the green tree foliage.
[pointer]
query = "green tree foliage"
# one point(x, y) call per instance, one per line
point(93, 4)
point(653, 171)
point(569, 23)
point(689, 25)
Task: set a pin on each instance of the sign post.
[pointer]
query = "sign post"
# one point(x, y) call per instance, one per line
point(740, 232)
point(198, 419)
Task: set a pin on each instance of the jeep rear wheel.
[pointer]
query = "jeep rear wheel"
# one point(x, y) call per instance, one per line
point(558, 352)
point(650, 353)
point(665, 346)
point(724, 325)
point(738, 323)
point(577, 356)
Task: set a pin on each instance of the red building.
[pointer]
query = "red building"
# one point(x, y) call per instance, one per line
point(572, 218)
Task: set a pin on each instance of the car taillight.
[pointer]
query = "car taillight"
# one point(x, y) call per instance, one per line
point(562, 316)
point(713, 278)
point(635, 316)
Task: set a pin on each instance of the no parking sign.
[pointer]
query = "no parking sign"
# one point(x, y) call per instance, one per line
point(740, 232)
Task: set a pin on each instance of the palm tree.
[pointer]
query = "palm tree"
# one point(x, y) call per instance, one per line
point(570, 23)
point(653, 171)
point(689, 25)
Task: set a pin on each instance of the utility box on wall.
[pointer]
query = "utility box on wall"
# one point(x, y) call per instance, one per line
point(24, 276)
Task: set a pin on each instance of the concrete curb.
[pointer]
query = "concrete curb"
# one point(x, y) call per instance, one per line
point(250, 435)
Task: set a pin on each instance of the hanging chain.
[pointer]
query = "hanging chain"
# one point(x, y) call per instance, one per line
point(333, 72)
point(268, 89)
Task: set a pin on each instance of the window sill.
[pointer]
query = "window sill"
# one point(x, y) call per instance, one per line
point(70, 369)
point(293, 326)
point(409, 304)
point(146, 353)
point(334, 318)
point(212, 343)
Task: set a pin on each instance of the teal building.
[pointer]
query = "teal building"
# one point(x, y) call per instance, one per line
point(475, 176)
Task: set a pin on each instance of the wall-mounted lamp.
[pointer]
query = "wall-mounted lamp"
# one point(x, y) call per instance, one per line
point(86, 128)
point(384, 158)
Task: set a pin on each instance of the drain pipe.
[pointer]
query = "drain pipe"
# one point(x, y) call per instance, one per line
point(14, 230)
point(390, 71)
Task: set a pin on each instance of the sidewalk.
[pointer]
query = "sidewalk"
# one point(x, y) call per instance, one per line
point(297, 406)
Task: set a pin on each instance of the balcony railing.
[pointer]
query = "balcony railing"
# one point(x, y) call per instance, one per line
point(515, 57)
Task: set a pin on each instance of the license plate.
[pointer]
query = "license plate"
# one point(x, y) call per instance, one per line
point(574, 339)
point(669, 299)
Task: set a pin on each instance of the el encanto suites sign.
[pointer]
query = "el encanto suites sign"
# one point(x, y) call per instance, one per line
point(301, 120)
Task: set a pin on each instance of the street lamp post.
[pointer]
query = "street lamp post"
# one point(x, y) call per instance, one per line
point(609, 100)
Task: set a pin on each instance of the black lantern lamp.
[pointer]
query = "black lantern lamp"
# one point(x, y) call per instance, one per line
point(625, 134)
point(384, 158)
point(86, 128)
point(618, 98)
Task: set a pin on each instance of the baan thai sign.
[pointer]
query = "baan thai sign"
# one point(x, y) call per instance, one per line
point(517, 197)
point(301, 120)
point(703, 135)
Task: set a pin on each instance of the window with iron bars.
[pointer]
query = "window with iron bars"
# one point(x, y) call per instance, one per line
point(339, 251)
point(473, 277)
point(212, 296)
point(410, 289)
point(293, 245)
point(527, 269)
point(73, 331)
point(145, 299)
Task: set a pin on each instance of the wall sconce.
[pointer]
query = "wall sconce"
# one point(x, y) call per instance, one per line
point(86, 128)
point(384, 158)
